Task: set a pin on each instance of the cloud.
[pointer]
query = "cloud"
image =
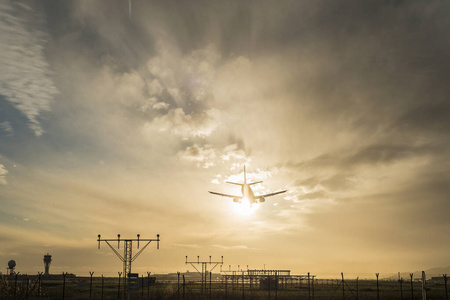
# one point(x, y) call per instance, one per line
point(203, 156)
point(236, 247)
point(207, 156)
point(347, 99)
point(187, 78)
point(120, 89)
point(161, 106)
point(3, 173)
point(7, 128)
point(25, 76)
point(177, 122)
point(188, 246)
point(232, 152)
point(155, 88)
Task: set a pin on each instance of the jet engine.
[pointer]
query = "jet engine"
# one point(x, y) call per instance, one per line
point(261, 199)
point(236, 200)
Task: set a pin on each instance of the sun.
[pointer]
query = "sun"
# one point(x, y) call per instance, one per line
point(244, 208)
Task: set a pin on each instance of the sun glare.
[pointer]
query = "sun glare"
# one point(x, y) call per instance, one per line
point(244, 208)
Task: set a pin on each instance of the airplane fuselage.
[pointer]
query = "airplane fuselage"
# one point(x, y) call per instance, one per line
point(247, 193)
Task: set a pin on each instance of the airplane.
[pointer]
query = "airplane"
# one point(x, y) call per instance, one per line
point(247, 192)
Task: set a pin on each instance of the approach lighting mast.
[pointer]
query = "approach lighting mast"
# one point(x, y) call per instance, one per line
point(128, 257)
point(204, 271)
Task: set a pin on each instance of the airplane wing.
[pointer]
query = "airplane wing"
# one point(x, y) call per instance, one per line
point(271, 194)
point(226, 195)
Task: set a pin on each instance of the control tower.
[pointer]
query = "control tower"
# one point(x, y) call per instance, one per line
point(47, 262)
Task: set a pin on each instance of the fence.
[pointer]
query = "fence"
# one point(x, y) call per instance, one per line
point(226, 288)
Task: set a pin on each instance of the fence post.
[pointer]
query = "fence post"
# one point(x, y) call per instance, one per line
point(64, 286)
point(178, 285)
point(28, 283)
point(103, 285)
point(184, 287)
point(343, 286)
point(445, 282)
point(412, 286)
point(118, 291)
point(401, 288)
point(378, 288)
point(210, 275)
point(276, 285)
point(312, 283)
point(309, 288)
point(39, 284)
point(15, 284)
point(232, 282)
point(90, 285)
point(142, 288)
point(226, 287)
point(148, 285)
point(357, 289)
point(424, 286)
point(268, 279)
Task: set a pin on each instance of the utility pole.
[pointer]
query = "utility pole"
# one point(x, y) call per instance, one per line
point(127, 257)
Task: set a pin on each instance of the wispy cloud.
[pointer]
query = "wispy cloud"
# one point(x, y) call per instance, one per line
point(3, 173)
point(234, 247)
point(25, 74)
point(6, 128)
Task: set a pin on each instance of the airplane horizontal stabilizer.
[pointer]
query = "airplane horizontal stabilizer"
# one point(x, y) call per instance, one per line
point(241, 184)
point(254, 182)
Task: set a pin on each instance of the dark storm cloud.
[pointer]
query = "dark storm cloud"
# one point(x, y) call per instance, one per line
point(380, 63)
point(430, 118)
point(383, 70)
point(97, 29)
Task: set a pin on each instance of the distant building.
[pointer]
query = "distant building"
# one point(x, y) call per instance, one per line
point(437, 279)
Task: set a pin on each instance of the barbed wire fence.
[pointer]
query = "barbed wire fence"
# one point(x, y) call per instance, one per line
point(69, 286)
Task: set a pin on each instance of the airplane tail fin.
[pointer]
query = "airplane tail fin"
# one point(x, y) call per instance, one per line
point(245, 176)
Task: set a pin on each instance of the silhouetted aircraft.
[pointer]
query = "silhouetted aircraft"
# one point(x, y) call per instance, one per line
point(247, 192)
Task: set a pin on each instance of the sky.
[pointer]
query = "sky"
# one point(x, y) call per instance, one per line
point(118, 117)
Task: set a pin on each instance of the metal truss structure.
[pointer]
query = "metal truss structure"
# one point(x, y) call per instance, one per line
point(204, 272)
point(127, 258)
